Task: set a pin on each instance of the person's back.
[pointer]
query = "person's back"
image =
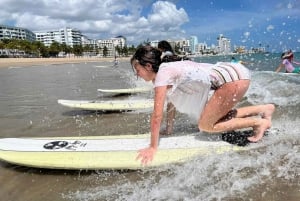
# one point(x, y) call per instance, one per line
point(289, 68)
point(287, 63)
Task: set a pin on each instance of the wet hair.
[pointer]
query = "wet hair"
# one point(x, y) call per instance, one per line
point(287, 56)
point(165, 46)
point(174, 58)
point(148, 54)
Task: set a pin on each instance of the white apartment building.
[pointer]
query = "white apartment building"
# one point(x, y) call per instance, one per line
point(9, 32)
point(66, 35)
point(201, 47)
point(155, 43)
point(86, 41)
point(184, 45)
point(224, 45)
point(69, 36)
point(111, 45)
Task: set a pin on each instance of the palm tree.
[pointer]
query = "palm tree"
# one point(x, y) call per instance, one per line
point(54, 49)
point(105, 51)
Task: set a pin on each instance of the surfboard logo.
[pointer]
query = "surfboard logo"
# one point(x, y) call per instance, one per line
point(64, 145)
point(56, 145)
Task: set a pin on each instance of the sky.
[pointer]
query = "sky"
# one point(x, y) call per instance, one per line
point(252, 23)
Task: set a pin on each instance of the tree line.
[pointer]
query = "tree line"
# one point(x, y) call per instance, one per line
point(38, 49)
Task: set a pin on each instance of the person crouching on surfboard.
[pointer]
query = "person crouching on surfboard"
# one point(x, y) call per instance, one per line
point(187, 85)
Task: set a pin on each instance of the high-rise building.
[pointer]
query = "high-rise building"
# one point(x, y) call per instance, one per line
point(224, 45)
point(193, 44)
point(66, 35)
point(10, 32)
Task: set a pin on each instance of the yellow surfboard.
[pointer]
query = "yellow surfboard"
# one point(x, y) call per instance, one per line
point(108, 105)
point(105, 152)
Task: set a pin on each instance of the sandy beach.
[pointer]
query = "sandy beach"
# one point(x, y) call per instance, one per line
point(15, 62)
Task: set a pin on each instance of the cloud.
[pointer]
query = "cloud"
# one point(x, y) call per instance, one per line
point(139, 20)
point(97, 19)
point(166, 16)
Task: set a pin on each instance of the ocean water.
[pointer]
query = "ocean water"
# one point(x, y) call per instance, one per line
point(28, 108)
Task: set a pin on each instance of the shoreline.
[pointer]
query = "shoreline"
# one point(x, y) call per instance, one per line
point(22, 62)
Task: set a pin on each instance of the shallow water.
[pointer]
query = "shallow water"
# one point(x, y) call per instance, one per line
point(28, 107)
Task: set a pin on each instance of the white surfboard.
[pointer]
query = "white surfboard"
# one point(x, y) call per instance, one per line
point(103, 66)
point(105, 152)
point(292, 74)
point(126, 91)
point(108, 105)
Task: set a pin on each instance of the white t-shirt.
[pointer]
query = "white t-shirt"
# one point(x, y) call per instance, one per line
point(190, 83)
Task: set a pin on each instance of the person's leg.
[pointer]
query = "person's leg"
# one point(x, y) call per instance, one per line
point(170, 117)
point(223, 100)
point(265, 111)
point(258, 125)
point(220, 103)
point(245, 118)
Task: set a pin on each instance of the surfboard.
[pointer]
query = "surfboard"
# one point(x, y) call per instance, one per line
point(290, 73)
point(125, 91)
point(103, 66)
point(108, 105)
point(105, 152)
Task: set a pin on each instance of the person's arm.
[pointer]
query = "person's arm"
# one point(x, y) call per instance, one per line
point(157, 115)
point(279, 68)
point(296, 62)
point(146, 155)
point(171, 111)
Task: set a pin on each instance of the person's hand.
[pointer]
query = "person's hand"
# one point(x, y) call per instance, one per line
point(146, 155)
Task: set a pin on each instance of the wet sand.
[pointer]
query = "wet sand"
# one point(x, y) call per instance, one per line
point(15, 62)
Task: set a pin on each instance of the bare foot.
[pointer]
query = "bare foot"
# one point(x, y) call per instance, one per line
point(268, 111)
point(260, 130)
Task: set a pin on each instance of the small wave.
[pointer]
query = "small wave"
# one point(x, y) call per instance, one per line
point(213, 177)
point(278, 88)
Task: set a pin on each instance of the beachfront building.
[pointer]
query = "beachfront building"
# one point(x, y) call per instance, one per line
point(201, 48)
point(193, 48)
point(90, 47)
point(18, 33)
point(193, 44)
point(155, 43)
point(10, 32)
point(239, 49)
point(109, 47)
point(68, 36)
point(179, 46)
point(224, 46)
point(12, 53)
point(184, 46)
